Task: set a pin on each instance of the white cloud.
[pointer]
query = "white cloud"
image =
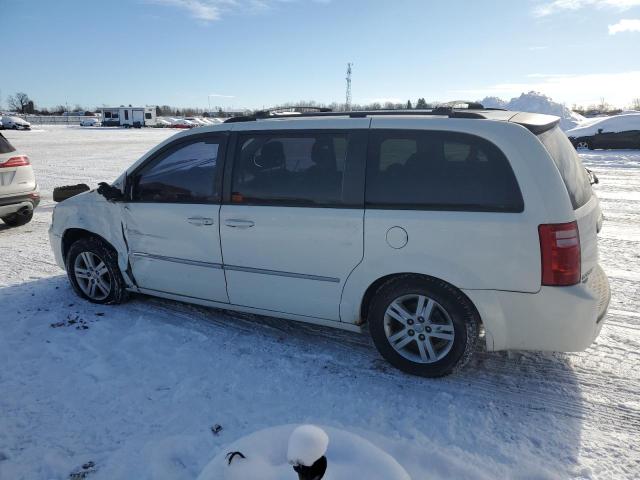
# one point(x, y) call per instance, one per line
point(617, 88)
point(211, 10)
point(556, 6)
point(625, 25)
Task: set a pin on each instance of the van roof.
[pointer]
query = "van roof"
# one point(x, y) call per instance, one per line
point(535, 122)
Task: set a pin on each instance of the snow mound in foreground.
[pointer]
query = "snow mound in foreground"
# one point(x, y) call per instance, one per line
point(348, 457)
point(536, 102)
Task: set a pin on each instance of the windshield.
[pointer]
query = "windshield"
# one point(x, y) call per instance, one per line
point(5, 146)
point(573, 173)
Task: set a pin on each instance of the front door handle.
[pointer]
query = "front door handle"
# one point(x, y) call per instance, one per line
point(236, 223)
point(199, 221)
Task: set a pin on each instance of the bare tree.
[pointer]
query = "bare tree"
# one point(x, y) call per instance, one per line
point(18, 102)
point(603, 106)
point(635, 104)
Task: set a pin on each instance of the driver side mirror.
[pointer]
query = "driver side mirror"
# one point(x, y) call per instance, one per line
point(599, 130)
point(111, 193)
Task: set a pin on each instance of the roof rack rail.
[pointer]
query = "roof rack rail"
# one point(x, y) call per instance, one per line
point(279, 112)
point(438, 111)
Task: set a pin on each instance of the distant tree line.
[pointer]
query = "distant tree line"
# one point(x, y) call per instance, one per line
point(21, 103)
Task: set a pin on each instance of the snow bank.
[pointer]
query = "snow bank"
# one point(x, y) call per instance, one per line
point(348, 457)
point(537, 103)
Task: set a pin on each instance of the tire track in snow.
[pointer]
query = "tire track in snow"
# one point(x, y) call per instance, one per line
point(533, 382)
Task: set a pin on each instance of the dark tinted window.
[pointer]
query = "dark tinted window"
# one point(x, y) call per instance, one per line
point(186, 174)
point(566, 158)
point(5, 146)
point(440, 171)
point(147, 116)
point(126, 114)
point(292, 169)
point(107, 114)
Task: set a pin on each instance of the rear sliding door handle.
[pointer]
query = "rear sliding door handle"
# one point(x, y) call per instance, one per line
point(200, 221)
point(236, 223)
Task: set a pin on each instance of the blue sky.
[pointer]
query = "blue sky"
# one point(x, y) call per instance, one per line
point(254, 53)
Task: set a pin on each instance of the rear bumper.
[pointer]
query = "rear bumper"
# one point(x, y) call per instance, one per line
point(559, 319)
point(14, 203)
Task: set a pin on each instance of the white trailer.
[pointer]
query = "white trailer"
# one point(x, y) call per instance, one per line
point(128, 116)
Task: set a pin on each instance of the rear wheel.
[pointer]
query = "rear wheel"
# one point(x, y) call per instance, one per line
point(19, 218)
point(423, 326)
point(583, 144)
point(92, 268)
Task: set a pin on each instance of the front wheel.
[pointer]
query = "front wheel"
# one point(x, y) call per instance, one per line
point(92, 268)
point(583, 145)
point(423, 326)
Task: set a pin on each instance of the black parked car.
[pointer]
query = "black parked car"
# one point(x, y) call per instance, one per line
point(620, 131)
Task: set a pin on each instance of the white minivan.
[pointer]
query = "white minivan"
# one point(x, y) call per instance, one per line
point(428, 227)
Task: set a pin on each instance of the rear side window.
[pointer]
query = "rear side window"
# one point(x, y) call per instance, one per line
point(433, 170)
point(295, 169)
point(569, 165)
point(188, 173)
point(5, 146)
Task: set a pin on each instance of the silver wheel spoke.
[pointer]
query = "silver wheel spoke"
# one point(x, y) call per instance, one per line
point(82, 273)
point(432, 353)
point(423, 354)
point(101, 269)
point(426, 314)
point(398, 312)
point(103, 286)
point(397, 336)
point(403, 342)
point(87, 258)
point(442, 335)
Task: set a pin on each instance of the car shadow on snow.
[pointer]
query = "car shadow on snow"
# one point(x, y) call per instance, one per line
point(522, 410)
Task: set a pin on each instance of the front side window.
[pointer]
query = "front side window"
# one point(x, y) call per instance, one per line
point(432, 170)
point(107, 114)
point(187, 173)
point(290, 169)
point(147, 116)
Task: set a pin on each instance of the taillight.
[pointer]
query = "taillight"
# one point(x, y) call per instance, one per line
point(560, 252)
point(17, 161)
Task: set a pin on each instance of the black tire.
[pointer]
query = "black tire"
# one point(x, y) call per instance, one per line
point(463, 315)
point(68, 191)
point(97, 247)
point(19, 218)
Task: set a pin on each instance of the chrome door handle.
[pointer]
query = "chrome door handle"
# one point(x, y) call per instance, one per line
point(200, 221)
point(236, 223)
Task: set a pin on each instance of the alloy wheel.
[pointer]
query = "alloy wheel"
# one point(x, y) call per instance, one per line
point(419, 328)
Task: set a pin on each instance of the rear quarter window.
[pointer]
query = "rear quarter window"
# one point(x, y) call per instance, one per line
point(435, 170)
point(5, 146)
point(573, 173)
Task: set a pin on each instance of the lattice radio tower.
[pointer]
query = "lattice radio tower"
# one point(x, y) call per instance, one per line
point(347, 105)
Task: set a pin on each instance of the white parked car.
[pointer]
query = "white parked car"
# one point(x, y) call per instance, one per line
point(14, 123)
point(423, 226)
point(19, 193)
point(89, 122)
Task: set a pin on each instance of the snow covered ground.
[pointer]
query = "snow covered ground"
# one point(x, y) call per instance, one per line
point(136, 388)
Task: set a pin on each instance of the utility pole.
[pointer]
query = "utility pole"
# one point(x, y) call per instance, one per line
point(347, 105)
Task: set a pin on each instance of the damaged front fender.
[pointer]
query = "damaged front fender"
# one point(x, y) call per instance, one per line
point(94, 214)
